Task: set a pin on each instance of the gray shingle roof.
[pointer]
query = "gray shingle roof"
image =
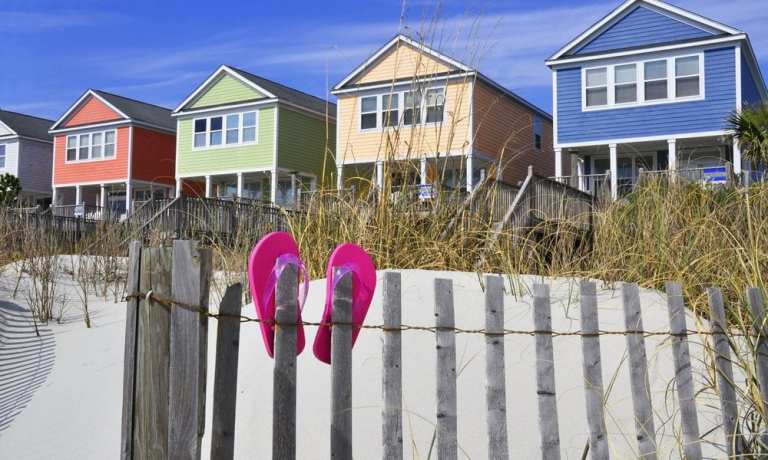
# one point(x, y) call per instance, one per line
point(287, 94)
point(27, 125)
point(141, 111)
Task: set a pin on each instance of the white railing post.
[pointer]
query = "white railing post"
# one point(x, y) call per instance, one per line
point(614, 171)
point(559, 163)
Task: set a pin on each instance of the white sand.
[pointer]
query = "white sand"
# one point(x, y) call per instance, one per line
point(72, 409)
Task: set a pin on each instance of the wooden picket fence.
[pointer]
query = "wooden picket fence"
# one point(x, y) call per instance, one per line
point(166, 348)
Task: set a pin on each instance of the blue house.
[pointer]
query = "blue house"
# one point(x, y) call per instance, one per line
point(650, 86)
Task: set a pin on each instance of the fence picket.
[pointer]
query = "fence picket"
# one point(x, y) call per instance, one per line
point(129, 360)
point(545, 373)
point(284, 386)
point(638, 372)
point(757, 306)
point(392, 380)
point(496, 396)
point(341, 369)
point(445, 338)
point(683, 375)
point(725, 383)
point(593, 372)
point(192, 268)
point(225, 378)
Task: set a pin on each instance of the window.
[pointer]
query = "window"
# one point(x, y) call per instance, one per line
point(233, 128)
point(2, 155)
point(225, 130)
point(249, 127)
point(597, 87)
point(91, 146)
point(537, 132)
point(215, 134)
point(412, 108)
point(687, 76)
point(625, 78)
point(368, 111)
point(201, 127)
point(389, 110)
point(655, 80)
point(435, 105)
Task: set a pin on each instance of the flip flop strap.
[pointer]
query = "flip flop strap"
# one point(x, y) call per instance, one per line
point(341, 270)
point(280, 263)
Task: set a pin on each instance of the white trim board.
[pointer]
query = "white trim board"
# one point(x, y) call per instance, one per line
point(656, 5)
point(225, 172)
point(230, 71)
point(632, 140)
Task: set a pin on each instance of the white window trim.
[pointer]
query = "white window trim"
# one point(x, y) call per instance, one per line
point(640, 81)
point(400, 109)
point(90, 147)
point(4, 156)
point(224, 144)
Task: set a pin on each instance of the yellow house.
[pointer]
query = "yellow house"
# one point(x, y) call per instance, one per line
point(409, 102)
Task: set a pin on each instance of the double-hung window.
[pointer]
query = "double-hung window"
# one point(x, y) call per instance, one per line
point(597, 87)
point(249, 127)
point(625, 84)
point(233, 128)
point(91, 146)
point(201, 130)
point(435, 105)
point(368, 112)
point(389, 109)
point(225, 130)
point(215, 133)
point(2, 156)
point(655, 77)
point(687, 76)
point(412, 108)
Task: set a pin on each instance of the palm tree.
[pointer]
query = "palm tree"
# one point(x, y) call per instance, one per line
point(750, 128)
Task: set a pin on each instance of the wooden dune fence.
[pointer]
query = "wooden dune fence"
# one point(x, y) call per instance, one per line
point(166, 346)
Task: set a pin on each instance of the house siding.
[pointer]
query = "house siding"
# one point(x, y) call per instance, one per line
point(112, 170)
point(302, 144)
point(154, 155)
point(91, 111)
point(241, 158)
point(35, 163)
point(225, 90)
point(403, 61)
point(642, 26)
point(504, 132)
point(709, 114)
point(11, 157)
point(750, 94)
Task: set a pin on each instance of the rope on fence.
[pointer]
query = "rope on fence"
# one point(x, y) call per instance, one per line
point(169, 303)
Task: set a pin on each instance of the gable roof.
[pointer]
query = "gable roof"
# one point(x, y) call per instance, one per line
point(271, 89)
point(26, 125)
point(400, 38)
point(129, 109)
point(680, 14)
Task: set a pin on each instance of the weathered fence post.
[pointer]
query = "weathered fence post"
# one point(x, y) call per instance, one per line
point(757, 305)
point(545, 373)
point(129, 360)
point(638, 372)
point(284, 387)
point(496, 395)
point(593, 372)
point(225, 377)
point(725, 383)
point(392, 375)
point(445, 336)
point(683, 375)
point(341, 370)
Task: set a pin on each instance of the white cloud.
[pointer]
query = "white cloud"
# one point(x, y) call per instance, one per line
point(33, 22)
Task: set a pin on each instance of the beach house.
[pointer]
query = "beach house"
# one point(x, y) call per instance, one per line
point(111, 152)
point(451, 124)
point(650, 87)
point(241, 135)
point(26, 151)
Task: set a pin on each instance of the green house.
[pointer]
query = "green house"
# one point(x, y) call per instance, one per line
point(241, 135)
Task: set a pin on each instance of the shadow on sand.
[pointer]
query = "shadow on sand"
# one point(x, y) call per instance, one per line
point(26, 359)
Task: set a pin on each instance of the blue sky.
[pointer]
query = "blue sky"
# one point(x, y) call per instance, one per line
point(159, 51)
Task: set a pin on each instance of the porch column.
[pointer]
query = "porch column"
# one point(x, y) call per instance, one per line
point(339, 177)
point(380, 175)
point(273, 187)
point(54, 195)
point(423, 171)
point(558, 163)
point(313, 184)
point(294, 198)
point(580, 174)
point(208, 186)
point(737, 166)
point(614, 171)
point(179, 187)
point(78, 194)
point(128, 197)
point(672, 156)
point(574, 179)
point(103, 196)
point(239, 185)
point(470, 173)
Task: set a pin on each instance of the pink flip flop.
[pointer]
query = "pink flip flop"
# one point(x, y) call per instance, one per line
point(349, 258)
point(267, 260)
